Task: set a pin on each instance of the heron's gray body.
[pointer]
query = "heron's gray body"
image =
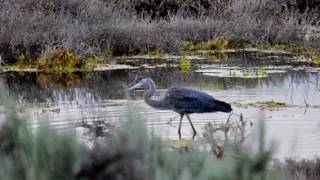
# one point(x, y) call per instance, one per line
point(184, 100)
point(181, 100)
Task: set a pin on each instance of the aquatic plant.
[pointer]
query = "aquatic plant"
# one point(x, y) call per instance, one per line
point(185, 65)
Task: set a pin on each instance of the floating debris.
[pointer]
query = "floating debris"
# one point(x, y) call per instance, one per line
point(270, 105)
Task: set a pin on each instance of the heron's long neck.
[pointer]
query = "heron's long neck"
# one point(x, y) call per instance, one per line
point(158, 104)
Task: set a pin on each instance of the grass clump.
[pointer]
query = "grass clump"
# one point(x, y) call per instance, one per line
point(153, 52)
point(24, 61)
point(316, 59)
point(211, 44)
point(61, 60)
point(185, 65)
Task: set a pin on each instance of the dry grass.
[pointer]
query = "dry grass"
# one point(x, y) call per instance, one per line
point(308, 169)
point(93, 27)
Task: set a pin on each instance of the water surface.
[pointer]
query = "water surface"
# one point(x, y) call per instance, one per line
point(83, 101)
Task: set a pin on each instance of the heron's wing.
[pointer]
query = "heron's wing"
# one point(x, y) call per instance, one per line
point(189, 101)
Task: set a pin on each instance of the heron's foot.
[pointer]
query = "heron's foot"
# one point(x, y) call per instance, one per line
point(194, 134)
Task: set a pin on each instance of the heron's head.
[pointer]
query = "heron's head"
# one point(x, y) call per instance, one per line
point(138, 82)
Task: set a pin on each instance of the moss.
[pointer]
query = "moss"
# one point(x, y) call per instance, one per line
point(60, 60)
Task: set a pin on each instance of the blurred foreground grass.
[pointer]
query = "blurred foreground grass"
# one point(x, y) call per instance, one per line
point(129, 152)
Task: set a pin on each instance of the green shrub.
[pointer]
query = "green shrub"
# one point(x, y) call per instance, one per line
point(39, 153)
point(132, 153)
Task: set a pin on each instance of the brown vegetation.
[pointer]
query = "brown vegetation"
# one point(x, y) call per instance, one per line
point(87, 28)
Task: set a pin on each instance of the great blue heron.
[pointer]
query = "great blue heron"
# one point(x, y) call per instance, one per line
point(181, 100)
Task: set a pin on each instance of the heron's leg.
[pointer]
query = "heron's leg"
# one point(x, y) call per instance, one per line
point(179, 130)
point(194, 130)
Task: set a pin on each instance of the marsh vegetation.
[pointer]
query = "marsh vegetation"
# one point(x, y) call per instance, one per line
point(99, 29)
point(65, 65)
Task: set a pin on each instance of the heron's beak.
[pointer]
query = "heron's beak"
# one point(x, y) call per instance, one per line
point(134, 86)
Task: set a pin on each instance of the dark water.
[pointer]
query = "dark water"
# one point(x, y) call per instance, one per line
point(293, 87)
point(82, 101)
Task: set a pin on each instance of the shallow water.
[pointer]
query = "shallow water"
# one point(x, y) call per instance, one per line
point(84, 101)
